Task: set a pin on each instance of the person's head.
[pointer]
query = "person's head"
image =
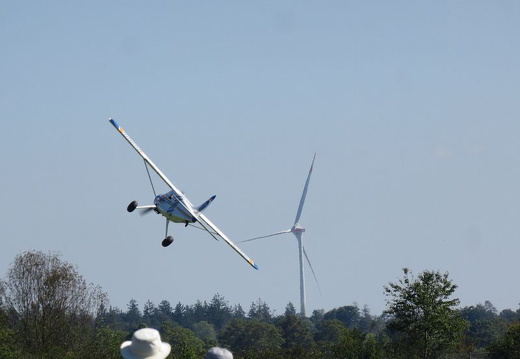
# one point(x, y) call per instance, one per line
point(146, 344)
point(218, 353)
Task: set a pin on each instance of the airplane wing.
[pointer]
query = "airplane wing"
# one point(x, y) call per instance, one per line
point(215, 232)
point(153, 166)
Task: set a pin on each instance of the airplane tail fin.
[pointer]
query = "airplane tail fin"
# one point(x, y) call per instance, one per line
point(203, 206)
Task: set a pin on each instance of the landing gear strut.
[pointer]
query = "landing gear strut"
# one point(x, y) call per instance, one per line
point(169, 239)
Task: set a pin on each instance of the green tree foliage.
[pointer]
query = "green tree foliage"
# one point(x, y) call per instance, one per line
point(179, 314)
point(348, 315)
point(112, 318)
point(133, 316)
point(8, 347)
point(165, 308)
point(238, 312)
point(206, 332)
point(349, 345)
point(296, 332)
point(164, 313)
point(330, 331)
point(251, 336)
point(196, 313)
point(219, 313)
point(374, 346)
point(370, 324)
point(102, 343)
point(150, 317)
point(184, 343)
point(317, 316)
point(290, 309)
point(420, 322)
point(509, 316)
point(424, 321)
point(260, 310)
point(49, 303)
point(484, 325)
point(334, 340)
point(507, 346)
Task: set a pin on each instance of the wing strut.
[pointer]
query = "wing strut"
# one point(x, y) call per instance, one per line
point(150, 178)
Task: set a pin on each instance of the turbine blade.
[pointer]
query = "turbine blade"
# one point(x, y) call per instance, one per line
point(312, 270)
point(269, 235)
point(304, 194)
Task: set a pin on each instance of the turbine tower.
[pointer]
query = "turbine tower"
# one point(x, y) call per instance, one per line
point(298, 231)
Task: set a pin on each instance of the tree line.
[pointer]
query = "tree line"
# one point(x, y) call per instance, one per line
point(47, 310)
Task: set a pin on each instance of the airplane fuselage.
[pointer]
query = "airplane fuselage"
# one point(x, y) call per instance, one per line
point(170, 206)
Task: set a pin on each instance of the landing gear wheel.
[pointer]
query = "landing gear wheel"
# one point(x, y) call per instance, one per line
point(132, 206)
point(167, 241)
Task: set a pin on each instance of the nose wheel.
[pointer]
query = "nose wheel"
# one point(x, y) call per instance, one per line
point(132, 206)
point(167, 241)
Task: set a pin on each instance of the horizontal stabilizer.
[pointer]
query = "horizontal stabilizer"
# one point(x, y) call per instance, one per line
point(203, 206)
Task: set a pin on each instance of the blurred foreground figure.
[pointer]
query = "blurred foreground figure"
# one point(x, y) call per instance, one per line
point(218, 353)
point(146, 344)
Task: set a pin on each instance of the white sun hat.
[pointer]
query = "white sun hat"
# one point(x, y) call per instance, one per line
point(218, 353)
point(146, 344)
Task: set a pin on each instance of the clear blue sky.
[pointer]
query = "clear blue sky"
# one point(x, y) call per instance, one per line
point(412, 108)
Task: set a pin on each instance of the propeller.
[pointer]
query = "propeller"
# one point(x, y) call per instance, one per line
point(146, 210)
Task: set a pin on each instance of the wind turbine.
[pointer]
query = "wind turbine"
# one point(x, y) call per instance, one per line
point(298, 231)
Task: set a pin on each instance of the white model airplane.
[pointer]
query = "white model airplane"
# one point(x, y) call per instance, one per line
point(176, 207)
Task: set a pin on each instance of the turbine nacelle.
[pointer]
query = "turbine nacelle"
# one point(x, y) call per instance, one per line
point(297, 229)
